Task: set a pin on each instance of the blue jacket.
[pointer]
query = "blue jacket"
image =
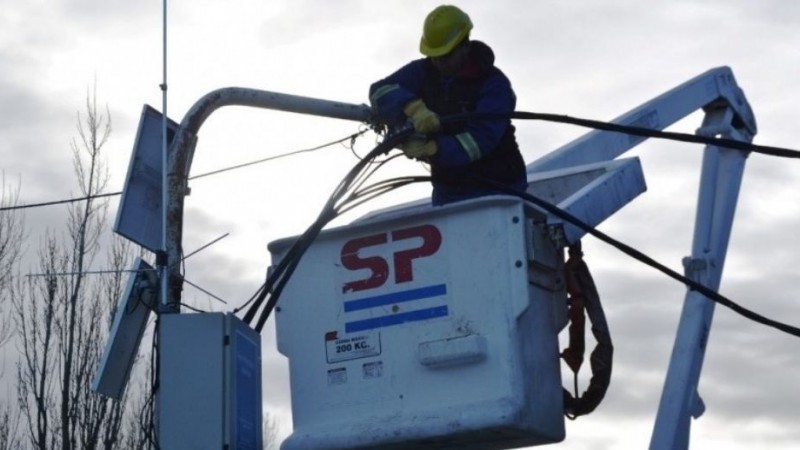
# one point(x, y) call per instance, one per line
point(468, 150)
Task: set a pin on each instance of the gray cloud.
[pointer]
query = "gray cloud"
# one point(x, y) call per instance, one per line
point(597, 61)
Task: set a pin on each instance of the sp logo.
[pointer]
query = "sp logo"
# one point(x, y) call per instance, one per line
point(379, 266)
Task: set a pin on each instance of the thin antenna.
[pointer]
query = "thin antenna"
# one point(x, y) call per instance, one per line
point(164, 165)
point(204, 291)
point(87, 272)
point(206, 246)
point(104, 272)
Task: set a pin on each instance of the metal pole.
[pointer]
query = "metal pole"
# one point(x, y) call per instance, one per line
point(161, 257)
point(719, 190)
point(182, 149)
point(162, 260)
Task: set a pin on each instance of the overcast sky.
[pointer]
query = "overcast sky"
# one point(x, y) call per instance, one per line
point(587, 59)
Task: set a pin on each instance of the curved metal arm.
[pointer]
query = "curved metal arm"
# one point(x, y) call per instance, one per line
point(182, 150)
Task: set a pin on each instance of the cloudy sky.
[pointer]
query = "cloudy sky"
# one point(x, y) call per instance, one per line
point(587, 59)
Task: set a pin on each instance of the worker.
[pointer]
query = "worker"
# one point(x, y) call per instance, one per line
point(457, 76)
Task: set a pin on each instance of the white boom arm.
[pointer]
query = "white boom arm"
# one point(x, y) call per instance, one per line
point(728, 115)
point(714, 88)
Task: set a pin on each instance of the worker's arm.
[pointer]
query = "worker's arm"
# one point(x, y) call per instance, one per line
point(481, 135)
point(390, 95)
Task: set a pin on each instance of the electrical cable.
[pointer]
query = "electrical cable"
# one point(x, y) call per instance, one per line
point(281, 277)
point(376, 190)
point(350, 137)
point(546, 117)
point(638, 131)
point(277, 280)
point(641, 257)
point(289, 263)
point(58, 202)
point(197, 310)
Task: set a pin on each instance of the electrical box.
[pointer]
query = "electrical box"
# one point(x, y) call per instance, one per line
point(434, 329)
point(209, 383)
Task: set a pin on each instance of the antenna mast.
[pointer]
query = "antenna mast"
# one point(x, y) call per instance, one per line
point(162, 257)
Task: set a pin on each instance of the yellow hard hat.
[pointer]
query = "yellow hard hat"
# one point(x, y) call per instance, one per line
point(445, 27)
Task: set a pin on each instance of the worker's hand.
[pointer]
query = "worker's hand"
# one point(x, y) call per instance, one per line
point(418, 149)
point(425, 120)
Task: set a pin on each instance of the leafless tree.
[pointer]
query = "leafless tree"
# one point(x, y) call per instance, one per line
point(63, 316)
point(270, 432)
point(9, 419)
point(11, 237)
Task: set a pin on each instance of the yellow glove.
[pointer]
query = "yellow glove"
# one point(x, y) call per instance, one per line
point(418, 149)
point(425, 120)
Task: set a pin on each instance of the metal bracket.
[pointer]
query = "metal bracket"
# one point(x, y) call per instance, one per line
point(696, 268)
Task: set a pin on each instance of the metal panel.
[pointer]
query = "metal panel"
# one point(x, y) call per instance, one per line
point(191, 394)
point(139, 217)
point(592, 192)
point(130, 321)
point(210, 394)
point(243, 386)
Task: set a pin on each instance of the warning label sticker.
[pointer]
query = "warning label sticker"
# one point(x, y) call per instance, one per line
point(352, 347)
point(337, 376)
point(372, 369)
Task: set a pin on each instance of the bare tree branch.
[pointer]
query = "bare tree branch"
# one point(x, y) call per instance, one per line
point(63, 318)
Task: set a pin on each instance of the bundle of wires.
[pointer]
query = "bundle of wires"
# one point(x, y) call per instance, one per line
point(353, 182)
point(350, 193)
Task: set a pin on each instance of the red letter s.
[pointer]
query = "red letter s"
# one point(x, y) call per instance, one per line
point(377, 265)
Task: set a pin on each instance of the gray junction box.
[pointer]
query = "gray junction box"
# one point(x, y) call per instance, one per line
point(210, 383)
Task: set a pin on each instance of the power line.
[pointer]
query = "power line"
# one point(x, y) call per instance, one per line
point(556, 118)
point(279, 277)
point(668, 135)
point(332, 209)
point(271, 158)
point(649, 261)
point(215, 172)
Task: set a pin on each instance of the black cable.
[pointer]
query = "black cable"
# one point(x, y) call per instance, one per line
point(289, 263)
point(557, 118)
point(197, 310)
point(58, 202)
point(277, 280)
point(301, 245)
point(637, 131)
point(281, 277)
point(378, 189)
point(641, 257)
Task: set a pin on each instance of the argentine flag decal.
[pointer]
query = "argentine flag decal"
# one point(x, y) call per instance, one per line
point(396, 308)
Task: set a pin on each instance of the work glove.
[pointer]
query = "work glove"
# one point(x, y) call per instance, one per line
point(425, 120)
point(419, 149)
